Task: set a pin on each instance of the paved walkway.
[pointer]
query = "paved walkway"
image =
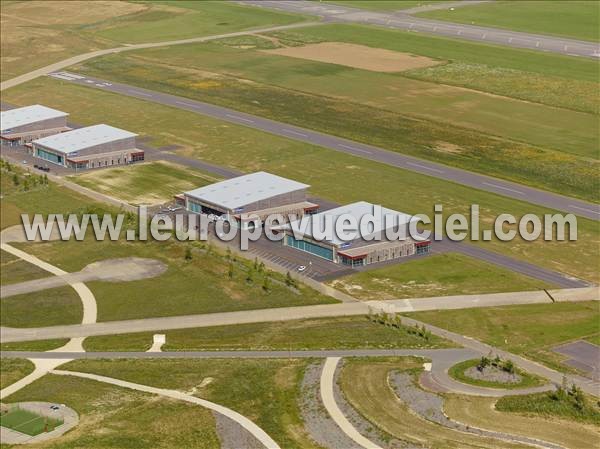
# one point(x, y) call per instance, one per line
point(328, 398)
point(93, 54)
point(256, 431)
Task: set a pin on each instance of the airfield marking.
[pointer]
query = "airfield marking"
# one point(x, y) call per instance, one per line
point(243, 119)
point(503, 188)
point(291, 131)
point(348, 147)
point(424, 167)
point(584, 209)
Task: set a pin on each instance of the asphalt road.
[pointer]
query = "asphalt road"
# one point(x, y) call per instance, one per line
point(401, 20)
point(370, 152)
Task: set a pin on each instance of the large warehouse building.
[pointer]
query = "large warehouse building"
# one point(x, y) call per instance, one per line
point(91, 147)
point(360, 251)
point(23, 125)
point(260, 194)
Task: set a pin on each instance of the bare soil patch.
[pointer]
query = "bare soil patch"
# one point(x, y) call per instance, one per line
point(357, 56)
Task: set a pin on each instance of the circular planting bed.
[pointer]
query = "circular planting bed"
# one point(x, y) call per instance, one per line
point(493, 374)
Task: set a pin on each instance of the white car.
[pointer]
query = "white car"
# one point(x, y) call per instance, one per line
point(301, 268)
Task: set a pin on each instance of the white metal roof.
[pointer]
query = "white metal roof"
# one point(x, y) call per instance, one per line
point(82, 138)
point(356, 210)
point(237, 192)
point(14, 118)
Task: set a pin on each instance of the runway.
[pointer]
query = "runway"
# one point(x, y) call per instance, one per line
point(478, 181)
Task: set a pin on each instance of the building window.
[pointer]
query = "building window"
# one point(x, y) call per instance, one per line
point(51, 157)
point(423, 249)
point(326, 253)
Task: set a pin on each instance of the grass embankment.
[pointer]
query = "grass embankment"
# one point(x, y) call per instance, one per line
point(79, 29)
point(503, 137)
point(373, 398)
point(265, 391)
point(530, 330)
point(314, 334)
point(436, 275)
point(573, 19)
point(458, 372)
point(116, 417)
point(11, 370)
point(481, 412)
point(222, 144)
point(147, 183)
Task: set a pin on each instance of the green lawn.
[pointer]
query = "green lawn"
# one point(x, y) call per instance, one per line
point(530, 330)
point(28, 422)
point(574, 19)
point(60, 305)
point(13, 270)
point(517, 140)
point(116, 417)
point(11, 370)
point(200, 285)
point(436, 275)
point(146, 183)
point(222, 144)
point(549, 405)
point(313, 334)
point(458, 372)
point(265, 391)
point(39, 345)
point(172, 20)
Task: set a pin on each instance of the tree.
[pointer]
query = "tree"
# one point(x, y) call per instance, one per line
point(256, 263)
point(26, 184)
point(266, 283)
point(230, 270)
point(250, 275)
point(16, 179)
point(289, 280)
point(509, 367)
point(228, 253)
point(188, 253)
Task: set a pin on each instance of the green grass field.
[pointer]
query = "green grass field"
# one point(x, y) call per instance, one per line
point(12, 370)
point(529, 330)
point(458, 372)
point(28, 422)
point(222, 144)
point(116, 417)
point(39, 345)
point(436, 275)
point(574, 19)
point(147, 183)
point(314, 334)
point(518, 140)
point(13, 270)
point(265, 391)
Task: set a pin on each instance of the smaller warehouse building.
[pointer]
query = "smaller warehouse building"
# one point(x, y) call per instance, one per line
point(91, 147)
point(257, 194)
point(22, 125)
point(362, 250)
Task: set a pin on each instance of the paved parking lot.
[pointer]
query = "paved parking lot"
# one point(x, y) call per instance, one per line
point(582, 355)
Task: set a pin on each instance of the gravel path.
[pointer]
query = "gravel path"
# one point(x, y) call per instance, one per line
point(430, 406)
point(317, 421)
point(234, 436)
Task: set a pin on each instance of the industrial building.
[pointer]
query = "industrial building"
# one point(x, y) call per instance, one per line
point(361, 250)
point(22, 125)
point(255, 195)
point(91, 147)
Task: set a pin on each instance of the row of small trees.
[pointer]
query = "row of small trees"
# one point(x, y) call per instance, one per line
point(26, 182)
point(496, 362)
point(394, 320)
point(573, 395)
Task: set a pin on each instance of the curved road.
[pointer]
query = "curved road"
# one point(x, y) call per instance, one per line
point(365, 151)
point(402, 20)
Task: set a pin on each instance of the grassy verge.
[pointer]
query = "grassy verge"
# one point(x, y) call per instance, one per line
point(547, 405)
point(13, 370)
point(55, 306)
point(146, 183)
point(265, 391)
point(313, 334)
point(13, 269)
point(116, 417)
point(222, 144)
point(458, 372)
point(530, 330)
point(497, 136)
point(373, 398)
point(480, 412)
point(40, 345)
point(573, 19)
point(436, 275)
